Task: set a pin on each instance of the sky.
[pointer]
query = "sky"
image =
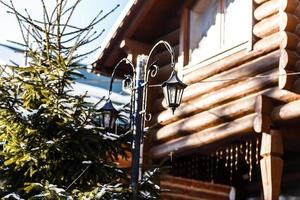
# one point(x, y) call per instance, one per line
point(85, 12)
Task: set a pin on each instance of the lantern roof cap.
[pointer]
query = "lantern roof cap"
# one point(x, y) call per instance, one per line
point(109, 106)
point(174, 80)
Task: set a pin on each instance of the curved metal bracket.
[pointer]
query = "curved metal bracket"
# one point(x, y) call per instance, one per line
point(114, 72)
point(152, 70)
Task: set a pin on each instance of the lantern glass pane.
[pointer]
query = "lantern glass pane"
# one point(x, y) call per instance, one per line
point(172, 94)
point(112, 123)
point(179, 95)
point(106, 119)
point(166, 95)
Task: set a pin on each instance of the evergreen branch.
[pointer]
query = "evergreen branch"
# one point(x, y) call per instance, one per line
point(87, 167)
point(45, 13)
point(70, 15)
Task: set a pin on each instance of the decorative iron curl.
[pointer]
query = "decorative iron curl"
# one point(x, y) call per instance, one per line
point(152, 70)
point(114, 72)
point(148, 117)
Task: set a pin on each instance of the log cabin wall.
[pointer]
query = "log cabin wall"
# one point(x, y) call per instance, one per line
point(215, 110)
point(226, 98)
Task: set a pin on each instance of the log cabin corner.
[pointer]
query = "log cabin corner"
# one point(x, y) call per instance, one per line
point(237, 133)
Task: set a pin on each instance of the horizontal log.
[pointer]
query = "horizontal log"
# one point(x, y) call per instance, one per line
point(271, 42)
point(290, 41)
point(194, 188)
point(172, 37)
point(177, 190)
point(164, 57)
point(285, 80)
point(134, 47)
point(289, 60)
point(244, 71)
point(296, 86)
point(286, 113)
point(260, 1)
point(222, 96)
point(268, 26)
point(232, 76)
point(220, 114)
point(194, 74)
point(163, 74)
point(206, 119)
point(289, 22)
point(297, 11)
point(281, 96)
point(228, 130)
point(263, 107)
point(273, 6)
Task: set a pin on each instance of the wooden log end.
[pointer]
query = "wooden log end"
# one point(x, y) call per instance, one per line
point(263, 104)
point(286, 81)
point(262, 123)
point(296, 86)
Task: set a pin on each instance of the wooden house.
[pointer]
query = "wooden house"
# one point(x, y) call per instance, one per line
point(239, 123)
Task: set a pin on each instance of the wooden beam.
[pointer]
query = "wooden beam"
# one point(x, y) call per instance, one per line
point(270, 42)
point(267, 26)
point(286, 113)
point(239, 127)
point(164, 57)
point(237, 74)
point(289, 63)
point(262, 47)
point(272, 7)
point(220, 114)
point(222, 96)
point(260, 1)
point(286, 81)
point(289, 60)
point(290, 41)
point(172, 37)
point(141, 14)
point(263, 108)
point(270, 25)
point(195, 188)
point(234, 75)
point(135, 47)
point(184, 40)
point(296, 86)
point(271, 164)
point(206, 119)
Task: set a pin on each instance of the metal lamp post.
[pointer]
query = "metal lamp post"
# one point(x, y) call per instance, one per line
point(173, 90)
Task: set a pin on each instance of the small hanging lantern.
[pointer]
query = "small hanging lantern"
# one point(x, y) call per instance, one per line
point(108, 116)
point(173, 90)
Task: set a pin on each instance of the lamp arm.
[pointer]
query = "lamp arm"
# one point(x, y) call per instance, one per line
point(168, 47)
point(114, 72)
point(152, 70)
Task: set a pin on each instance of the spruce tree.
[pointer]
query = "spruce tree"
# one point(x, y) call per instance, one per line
point(52, 146)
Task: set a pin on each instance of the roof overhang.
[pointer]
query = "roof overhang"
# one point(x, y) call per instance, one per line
point(142, 22)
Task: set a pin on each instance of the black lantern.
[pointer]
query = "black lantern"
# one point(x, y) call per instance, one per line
point(108, 116)
point(173, 90)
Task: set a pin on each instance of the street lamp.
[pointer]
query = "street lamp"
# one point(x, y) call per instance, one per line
point(108, 113)
point(173, 90)
point(108, 116)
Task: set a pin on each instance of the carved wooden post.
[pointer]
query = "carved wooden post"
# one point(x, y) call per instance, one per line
point(271, 164)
